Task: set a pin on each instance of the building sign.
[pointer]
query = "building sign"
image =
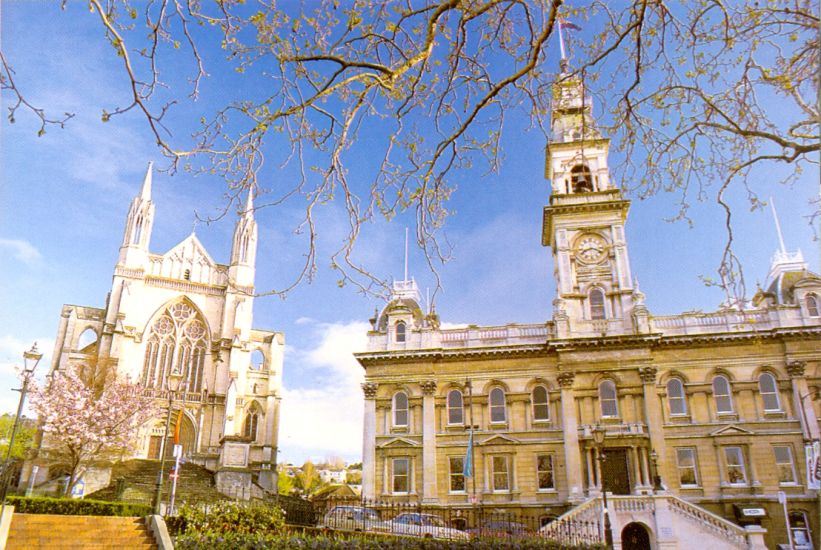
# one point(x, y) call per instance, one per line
point(753, 512)
point(813, 454)
point(79, 489)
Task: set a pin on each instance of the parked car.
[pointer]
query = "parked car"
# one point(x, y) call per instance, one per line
point(355, 518)
point(424, 525)
point(502, 529)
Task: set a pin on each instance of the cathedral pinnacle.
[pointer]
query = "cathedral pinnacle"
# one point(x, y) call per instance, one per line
point(145, 194)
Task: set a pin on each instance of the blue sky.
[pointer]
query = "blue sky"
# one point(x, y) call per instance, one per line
point(64, 198)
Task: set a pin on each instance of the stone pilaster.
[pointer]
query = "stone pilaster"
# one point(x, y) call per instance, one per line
point(428, 441)
point(570, 428)
point(369, 441)
point(802, 400)
point(654, 418)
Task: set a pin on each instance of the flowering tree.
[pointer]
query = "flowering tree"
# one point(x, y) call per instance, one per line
point(82, 423)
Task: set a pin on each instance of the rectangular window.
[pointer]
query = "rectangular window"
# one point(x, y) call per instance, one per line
point(544, 472)
point(501, 473)
point(687, 474)
point(784, 464)
point(736, 473)
point(457, 477)
point(401, 475)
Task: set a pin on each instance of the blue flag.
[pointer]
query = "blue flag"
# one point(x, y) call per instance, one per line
point(467, 469)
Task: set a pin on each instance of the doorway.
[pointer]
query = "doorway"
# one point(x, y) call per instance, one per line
point(616, 472)
point(634, 536)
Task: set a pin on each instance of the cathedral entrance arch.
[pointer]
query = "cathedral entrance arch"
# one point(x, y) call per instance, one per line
point(187, 437)
point(635, 536)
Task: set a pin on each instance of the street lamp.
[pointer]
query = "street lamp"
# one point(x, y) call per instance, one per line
point(30, 360)
point(654, 458)
point(174, 378)
point(599, 433)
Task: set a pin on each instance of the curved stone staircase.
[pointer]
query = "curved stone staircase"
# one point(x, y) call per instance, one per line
point(49, 532)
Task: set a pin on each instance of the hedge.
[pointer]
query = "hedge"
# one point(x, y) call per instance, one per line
point(285, 541)
point(76, 507)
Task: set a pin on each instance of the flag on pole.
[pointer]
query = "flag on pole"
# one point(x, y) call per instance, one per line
point(568, 25)
point(467, 469)
point(177, 429)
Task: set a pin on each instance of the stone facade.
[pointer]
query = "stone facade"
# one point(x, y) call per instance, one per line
point(712, 408)
point(183, 322)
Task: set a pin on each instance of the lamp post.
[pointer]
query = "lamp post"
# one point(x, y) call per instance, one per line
point(173, 378)
point(654, 458)
point(30, 360)
point(599, 433)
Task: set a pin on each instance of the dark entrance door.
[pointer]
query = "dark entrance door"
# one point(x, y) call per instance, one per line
point(615, 472)
point(154, 446)
point(634, 536)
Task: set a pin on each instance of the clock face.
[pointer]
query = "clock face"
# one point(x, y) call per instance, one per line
point(591, 249)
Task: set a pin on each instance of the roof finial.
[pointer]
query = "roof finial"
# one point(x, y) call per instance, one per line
point(145, 194)
point(778, 227)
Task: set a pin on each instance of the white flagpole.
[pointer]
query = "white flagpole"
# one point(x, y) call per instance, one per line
point(561, 38)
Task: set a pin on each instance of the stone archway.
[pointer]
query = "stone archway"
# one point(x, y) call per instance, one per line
point(635, 536)
point(187, 436)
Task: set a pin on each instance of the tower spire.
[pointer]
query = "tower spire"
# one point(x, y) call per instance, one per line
point(783, 248)
point(145, 194)
point(249, 203)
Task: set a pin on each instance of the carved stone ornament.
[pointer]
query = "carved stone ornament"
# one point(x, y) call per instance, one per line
point(796, 368)
point(648, 374)
point(428, 387)
point(369, 389)
point(566, 379)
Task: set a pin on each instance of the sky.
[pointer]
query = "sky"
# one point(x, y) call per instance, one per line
point(64, 197)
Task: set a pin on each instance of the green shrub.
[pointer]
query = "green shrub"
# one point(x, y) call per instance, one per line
point(227, 517)
point(76, 507)
point(285, 541)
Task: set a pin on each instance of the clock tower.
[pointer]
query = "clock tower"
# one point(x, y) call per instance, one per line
point(584, 225)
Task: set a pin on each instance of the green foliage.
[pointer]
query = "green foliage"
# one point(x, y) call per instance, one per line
point(285, 484)
point(76, 507)
point(302, 541)
point(227, 517)
point(22, 441)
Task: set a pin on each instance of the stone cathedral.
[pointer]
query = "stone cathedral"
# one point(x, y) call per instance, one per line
point(692, 423)
point(181, 321)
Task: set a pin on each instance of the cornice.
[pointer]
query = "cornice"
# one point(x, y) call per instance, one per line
point(368, 358)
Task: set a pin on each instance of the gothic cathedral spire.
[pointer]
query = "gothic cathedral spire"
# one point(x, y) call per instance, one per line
point(137, 236)
point(584, 224)
point(244, 248)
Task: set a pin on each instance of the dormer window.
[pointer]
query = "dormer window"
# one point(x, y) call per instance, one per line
point(581, 179)
point(812, 305)
point(400, 331)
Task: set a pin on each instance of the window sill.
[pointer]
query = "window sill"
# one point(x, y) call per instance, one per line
point(498, 425)
point(399, 429)
point(680, 419)
point(727, 417)
point(547, 491)
point(775, 414)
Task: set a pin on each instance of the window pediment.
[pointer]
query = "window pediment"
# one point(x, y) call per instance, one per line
point(398, 442)
point(730, 431)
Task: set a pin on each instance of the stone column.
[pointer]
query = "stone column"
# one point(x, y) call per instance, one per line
point(570, 428)
point(654, 418)
point(369, 441)
point(429, 494)
point(802, 402)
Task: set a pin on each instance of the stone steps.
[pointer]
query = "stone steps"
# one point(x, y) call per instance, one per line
point(45, 531)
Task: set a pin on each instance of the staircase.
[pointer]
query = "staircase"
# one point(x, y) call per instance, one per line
point(196, 484)
point(43, 531)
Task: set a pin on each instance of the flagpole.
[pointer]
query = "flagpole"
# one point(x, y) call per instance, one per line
point(561, 38)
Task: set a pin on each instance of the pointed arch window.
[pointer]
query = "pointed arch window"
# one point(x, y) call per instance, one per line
point(769, 392)
point(597, 310)
point(812, 305)
point(676, 399)
point(456, 409)
point(177, 343)
point(401, 330)
point(400, 409)
point(249, 429)
point(541, 404)
point(581, 179)
point(608, 399)
point(497, 405)
point(722, 395)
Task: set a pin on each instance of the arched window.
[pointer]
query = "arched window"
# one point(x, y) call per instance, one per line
point(541, 404)
point(400, 409)
point(676, 399)
point(497, 405)
point(722, 395)
point(581, 179)
point(177, 343)
point(608, 399)
point(249, 429)
point(455, 407)
point(769, 392)
point(400, 331)
point(597, 304)
point(257, 360)
point(88, 341)
point(812, 305)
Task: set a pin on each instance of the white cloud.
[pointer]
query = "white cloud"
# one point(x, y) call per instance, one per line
point(22, 250)
point(325, 418)
point(11, 361)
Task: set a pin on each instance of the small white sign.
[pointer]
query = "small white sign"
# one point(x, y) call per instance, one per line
point(177, 451)
point(79, 489)
point(782, 497)
point(753, 512)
